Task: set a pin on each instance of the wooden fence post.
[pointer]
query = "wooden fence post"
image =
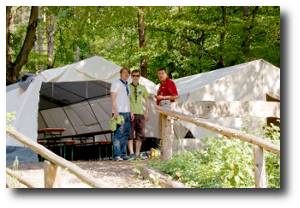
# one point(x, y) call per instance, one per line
point(51, 175)
point(167, 137)
point(259, 167)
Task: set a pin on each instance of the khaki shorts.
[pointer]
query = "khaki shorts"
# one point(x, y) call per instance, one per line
point(137, 128)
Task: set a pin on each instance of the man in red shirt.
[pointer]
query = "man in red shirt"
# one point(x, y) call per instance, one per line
point(167, 92)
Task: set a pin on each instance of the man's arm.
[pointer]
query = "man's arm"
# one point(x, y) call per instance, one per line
point(170, 97)
point(114, 104)
point(147, 108)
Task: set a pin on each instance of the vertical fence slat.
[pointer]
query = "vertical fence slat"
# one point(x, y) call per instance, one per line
point(167, 137)
point(51, 175)
point(259, 167)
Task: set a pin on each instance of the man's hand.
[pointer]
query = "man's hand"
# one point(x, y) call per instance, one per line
point(146, 117)
point(132, 116)
point(159, 97)
point(116, 114)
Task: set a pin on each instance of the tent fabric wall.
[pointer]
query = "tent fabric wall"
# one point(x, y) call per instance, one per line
point(26, 120)
point(244, 82)
point(26, 103)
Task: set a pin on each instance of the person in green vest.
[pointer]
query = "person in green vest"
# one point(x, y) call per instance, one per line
point(139, 107)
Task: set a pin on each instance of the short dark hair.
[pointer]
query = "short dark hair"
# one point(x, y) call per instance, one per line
point(124, 68)
point(136, 71)
point(162, 69)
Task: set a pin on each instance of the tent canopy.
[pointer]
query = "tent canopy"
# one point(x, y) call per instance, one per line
point(75, 96)
point(66, 93)
point(247, 81)
point(68, 97)
point(252, 81)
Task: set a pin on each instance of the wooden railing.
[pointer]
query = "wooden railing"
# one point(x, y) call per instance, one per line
point(260, 144)
point(52, 166)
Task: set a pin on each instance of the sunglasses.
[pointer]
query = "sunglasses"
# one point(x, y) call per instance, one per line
point(136, 75)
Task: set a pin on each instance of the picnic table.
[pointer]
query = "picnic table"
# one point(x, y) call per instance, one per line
point(51, 132)
point(53, 138)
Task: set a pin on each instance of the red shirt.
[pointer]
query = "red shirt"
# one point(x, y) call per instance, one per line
point(167, 88)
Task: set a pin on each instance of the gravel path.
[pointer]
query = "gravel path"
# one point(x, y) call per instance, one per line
point(122, 174)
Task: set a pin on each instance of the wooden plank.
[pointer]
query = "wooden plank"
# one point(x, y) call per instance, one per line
point(166, 138)
point(163, 180)
point(12, 174)
point(237, 109)
point(49, 155)
point(259, 167)
point(228, 132)
point(51, 175)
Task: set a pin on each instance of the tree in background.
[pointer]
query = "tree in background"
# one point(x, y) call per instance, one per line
point(186, 40)
point(13, 68)
point(142, 40)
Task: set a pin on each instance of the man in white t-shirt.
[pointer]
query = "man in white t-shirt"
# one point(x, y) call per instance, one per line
point(120, 95)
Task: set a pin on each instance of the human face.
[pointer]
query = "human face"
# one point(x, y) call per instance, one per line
point(124, 75)
point(162, 75)
point(135, 77)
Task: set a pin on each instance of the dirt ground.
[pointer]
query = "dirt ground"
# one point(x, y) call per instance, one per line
point(122, 174)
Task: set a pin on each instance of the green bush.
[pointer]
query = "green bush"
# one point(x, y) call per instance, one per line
point(222, 163)
point(273, 161)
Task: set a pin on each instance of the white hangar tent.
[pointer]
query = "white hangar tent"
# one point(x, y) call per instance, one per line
point(234, 97)
point(74, 97)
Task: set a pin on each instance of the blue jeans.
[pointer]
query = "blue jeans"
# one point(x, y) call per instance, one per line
point(120, 137)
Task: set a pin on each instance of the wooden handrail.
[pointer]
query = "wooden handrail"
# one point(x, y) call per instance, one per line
point(260, 144)
point(21, 180)
point(55, 159)
point(228, 132)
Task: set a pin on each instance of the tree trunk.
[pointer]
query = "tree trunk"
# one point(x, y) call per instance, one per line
point(13, 69)
point(22, 14)
point(77, 53)
point(245, 11)
point(9, 27)
point(40, 36)
point(221, 63)
point(248, 27)
point(50, 41)
point(142, 40)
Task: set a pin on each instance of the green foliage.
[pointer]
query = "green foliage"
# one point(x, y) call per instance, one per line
point(272, 132)
point(223, 163)
point(186, 40)
point(10, 117)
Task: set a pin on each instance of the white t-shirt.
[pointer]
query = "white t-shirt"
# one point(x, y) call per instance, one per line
point(122, 99)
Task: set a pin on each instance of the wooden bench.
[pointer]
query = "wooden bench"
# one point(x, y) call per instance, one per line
point(74, 141)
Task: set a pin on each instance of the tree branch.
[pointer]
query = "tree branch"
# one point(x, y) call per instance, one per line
point(14, 69)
